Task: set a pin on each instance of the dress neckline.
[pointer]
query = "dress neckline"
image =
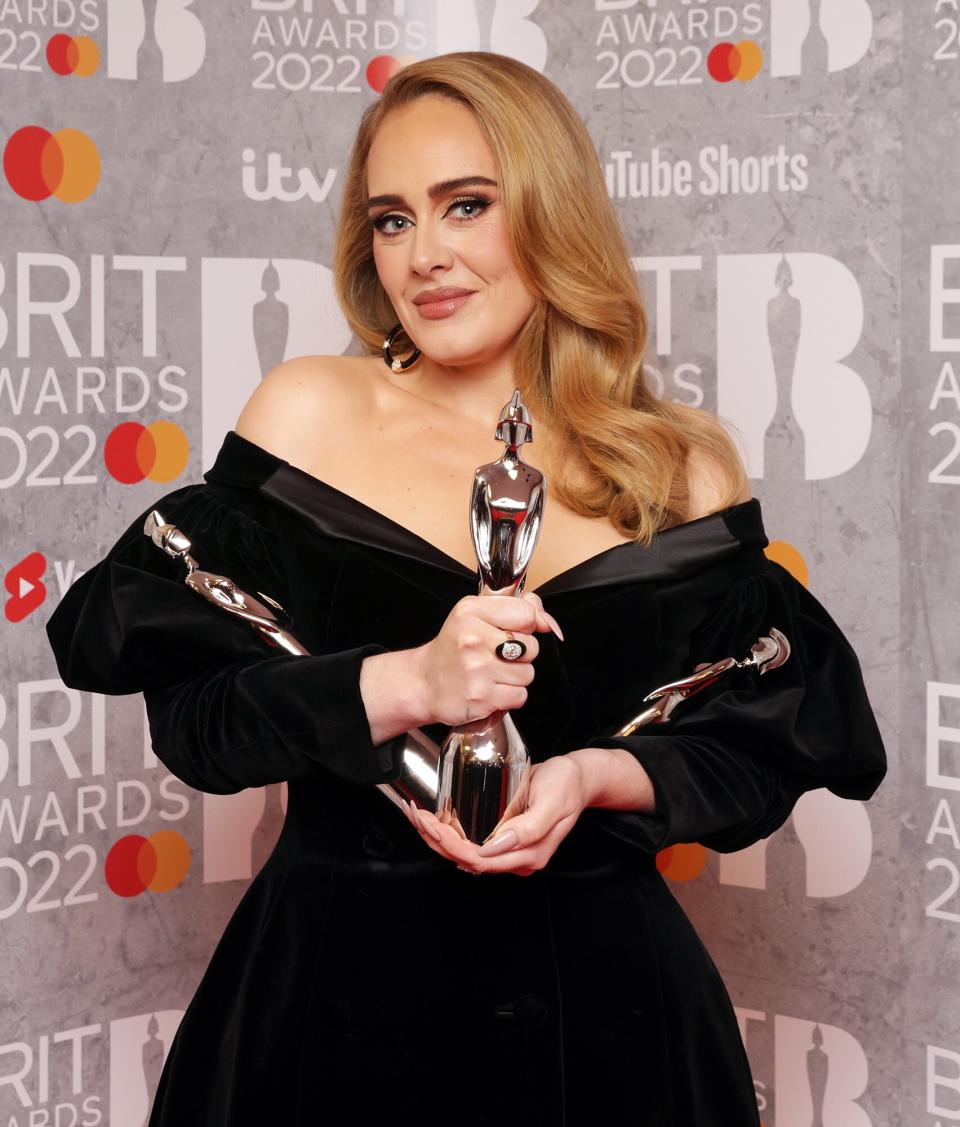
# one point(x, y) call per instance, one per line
point(455, 564)
point(289, 484)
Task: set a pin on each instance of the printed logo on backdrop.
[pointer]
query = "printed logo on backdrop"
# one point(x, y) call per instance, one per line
point(827, 840)
point(716, 170)
point(164, 39)
point(256, 313)
point(357, 45)
point(945, 338)
point(25, 587)
point(651, 43)
point(787, 326)
point(820, 1071)
point(39, 164)
point(65, 831)
point(946, 30)
point(48, 404)
point(943, 1085)
point(279, 181)
point(825, 848)
point(154, 38)
point(52, 1080)
point(28, 44)
point(240, 831)
point(505, 27)
point(138, 1047)
point(942, 886)
point(818, 36)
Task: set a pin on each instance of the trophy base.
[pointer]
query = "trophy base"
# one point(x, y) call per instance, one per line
point(484, 768)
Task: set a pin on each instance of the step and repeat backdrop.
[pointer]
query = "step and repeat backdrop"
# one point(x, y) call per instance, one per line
point(785, 171)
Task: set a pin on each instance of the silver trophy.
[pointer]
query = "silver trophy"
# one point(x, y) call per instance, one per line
point(421, 755)
point(480, 775)
point(484, 764)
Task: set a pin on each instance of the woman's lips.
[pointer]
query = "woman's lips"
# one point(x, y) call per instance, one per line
point(436, 310)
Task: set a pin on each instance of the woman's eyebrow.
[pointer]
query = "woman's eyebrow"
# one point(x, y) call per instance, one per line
point(435, 191)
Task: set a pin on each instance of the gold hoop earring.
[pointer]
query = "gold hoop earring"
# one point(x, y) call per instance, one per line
point(388, 359)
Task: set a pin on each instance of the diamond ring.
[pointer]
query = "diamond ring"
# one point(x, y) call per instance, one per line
point(511, 649)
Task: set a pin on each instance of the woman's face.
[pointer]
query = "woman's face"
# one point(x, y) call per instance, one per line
point(430, 234)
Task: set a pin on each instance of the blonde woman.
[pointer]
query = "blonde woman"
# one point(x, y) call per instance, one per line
point(379, 968)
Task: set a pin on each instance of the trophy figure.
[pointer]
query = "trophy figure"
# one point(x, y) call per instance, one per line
point(484, 764)
point(421, 755)
point(479, 777)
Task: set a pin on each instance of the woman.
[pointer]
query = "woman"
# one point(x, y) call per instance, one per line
point(367, 972)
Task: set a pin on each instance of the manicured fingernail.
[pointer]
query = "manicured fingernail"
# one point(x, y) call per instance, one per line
point(554, 625)
point(431, 830)
point(500, 844)
point(416, 817)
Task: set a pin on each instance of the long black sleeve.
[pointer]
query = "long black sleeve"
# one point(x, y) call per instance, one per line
point(226, 710)
point(730, 763)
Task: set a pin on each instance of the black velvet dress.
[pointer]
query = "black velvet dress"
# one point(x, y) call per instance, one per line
point(600, 1005)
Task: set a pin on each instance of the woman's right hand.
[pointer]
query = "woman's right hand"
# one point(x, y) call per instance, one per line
point(459, 676)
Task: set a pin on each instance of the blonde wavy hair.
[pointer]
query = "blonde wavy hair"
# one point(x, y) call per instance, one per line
point(579, 356)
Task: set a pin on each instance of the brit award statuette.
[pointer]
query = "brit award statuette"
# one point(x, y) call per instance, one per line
point(479, 776)
point(484, 764)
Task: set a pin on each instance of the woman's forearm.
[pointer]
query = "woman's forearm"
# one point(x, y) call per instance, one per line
point(393, 695)
point(614, 779)
point(391, 686)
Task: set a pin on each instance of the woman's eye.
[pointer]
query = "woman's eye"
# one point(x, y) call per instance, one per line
point(474, 205)
point(477, 205)
point(380, 223)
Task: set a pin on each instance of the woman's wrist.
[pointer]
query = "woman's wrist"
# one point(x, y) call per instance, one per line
point(393, 693)
point(614, 779)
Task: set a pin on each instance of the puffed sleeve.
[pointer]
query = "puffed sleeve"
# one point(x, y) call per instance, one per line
point(226, 710)
point(730, 763)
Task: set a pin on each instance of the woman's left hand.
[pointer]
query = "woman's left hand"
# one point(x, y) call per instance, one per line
point(555, 795)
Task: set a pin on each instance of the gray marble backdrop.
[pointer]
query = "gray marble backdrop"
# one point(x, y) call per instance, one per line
point(783, 170)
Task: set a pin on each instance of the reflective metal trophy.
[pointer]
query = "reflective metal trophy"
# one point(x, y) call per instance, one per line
point(767, 653)
point(421, 755)
point(480, 775)
point(484, 764)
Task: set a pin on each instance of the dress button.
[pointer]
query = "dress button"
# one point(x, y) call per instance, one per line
point(529, 1011)
point(378, 844)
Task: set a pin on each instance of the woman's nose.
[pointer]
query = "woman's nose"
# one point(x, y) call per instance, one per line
point(429, 247)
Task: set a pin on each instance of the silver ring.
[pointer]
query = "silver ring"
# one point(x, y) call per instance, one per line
point(464, 869)
point(511, 649)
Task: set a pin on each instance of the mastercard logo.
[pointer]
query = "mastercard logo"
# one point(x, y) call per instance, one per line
point(133, 452)
point(73, 54)
point(158, 863)
point(39, 164)
point(741, 61)
point(381, 69)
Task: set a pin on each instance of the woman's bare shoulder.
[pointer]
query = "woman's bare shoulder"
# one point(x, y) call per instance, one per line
point(306, 402)
point(707, 483)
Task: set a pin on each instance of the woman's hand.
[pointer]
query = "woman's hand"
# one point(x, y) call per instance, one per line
point(458, 676)
point(556, 792)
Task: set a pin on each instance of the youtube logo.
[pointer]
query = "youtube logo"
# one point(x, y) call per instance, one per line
point(24, 582)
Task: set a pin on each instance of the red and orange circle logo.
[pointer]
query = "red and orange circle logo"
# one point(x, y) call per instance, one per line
point(382, 68)
point(39, 164)
point(73, 54)
point(133, 452)
point(741, 61)
point(136, 863)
